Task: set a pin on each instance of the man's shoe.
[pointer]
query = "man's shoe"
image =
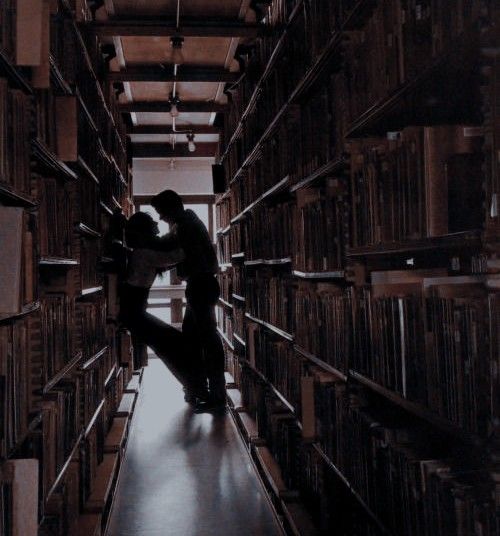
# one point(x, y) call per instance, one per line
point(210, 406)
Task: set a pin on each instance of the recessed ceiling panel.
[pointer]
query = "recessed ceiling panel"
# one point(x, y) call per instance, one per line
point(166, 119)
point(196, 50)
point(188, 8)
point(188, 91)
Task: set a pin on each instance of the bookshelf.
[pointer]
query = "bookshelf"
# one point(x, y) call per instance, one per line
point(66, 364)
point(361, 263)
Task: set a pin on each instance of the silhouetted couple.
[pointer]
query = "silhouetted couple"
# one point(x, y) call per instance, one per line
point(195, 355)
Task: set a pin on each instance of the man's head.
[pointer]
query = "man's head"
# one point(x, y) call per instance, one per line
point(169, 205)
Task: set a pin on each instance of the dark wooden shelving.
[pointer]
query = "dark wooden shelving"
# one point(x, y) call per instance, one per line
point(238, 256)
point(224, 231)
point(91, 361)
point(354, 493)
point(85, 230)
point(268, 262)
point(225, 338)
point(12, 197)
point(35, 421)
point(225, 303)
point(334, 166)
point(14, 74)
point(335, 275)
point(81, 165)
point(26, 310)
point(465, 239)
point(267, 70)
point(47, 160)
point(422, 412)
point(270, 327)
point(90, 291)
point(277, 188)
point(63, 372)
point(58, 78)
point(57, 261)
point(236, 337)
point(238, 298)
point(317, 361)
point(387, 114)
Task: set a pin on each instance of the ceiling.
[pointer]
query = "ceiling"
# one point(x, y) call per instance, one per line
point(141, 32)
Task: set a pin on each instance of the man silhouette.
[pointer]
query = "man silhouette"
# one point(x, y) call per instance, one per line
point(198, 268)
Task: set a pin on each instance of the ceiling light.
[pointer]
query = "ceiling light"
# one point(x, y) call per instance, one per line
point(177, 57)
point(191, 144)
point(174, 103)
point(172, 164)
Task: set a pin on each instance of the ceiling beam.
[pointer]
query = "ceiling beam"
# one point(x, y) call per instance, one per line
point(164, 106)
point(157, 27)
point(167, 129)
point(164, 150)
point(158, 73)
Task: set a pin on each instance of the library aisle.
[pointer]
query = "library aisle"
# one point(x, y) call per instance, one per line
point(185, 474)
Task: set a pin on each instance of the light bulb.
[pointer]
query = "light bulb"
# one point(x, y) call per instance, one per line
point(174, 111)
point(172, 163)
point(191, 144)
point(177, 57)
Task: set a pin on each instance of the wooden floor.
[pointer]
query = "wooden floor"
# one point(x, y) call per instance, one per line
point(186, 474)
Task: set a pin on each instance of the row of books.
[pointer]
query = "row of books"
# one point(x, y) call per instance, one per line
point(15, 130)
point(239, 319)
point(18, 262)
point(238, 279)
point(223, 213)
point(223, 248)
point(413, 481)
point(277, 240)
point(321, 224)
point(417, 185)
point(91, 327)
point(225, 323)
point(226, 286)
point(325, 325)
point(55, 216)
point(276, 360)
point(269, 298)
point(88, 272)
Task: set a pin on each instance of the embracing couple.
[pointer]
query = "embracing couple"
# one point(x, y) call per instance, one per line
point(195, 356)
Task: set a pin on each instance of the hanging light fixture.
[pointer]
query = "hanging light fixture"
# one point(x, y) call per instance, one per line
point(177, 57)
point(172, 164)
point(191, 144)
point(174, 103)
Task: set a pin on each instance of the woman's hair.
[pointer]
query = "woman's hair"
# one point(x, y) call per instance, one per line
point(139, 228)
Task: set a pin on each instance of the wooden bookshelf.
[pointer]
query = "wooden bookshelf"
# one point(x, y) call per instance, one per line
point(14, 74)
point(270, 327)
point(45, 158)
point(11, 197)
point(321, 363)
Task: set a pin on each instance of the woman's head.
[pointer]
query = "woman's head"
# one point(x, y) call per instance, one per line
point(140, 227)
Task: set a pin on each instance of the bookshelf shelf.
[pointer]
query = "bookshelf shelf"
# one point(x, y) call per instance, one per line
point(238, 298)
point(224, 231)
point(236, 337)
point(92, 360)
point(110, 376)
point(81, 165)
point(466, 239)
point(60, 475)
point(14, 74)
point(317, 361)
point(84, 229)
point(11, 197)
point(225, 303)
point(58, 78)
point(89, 292)
point(93, 419)
point(225, 265)
point(277, 188)
point(354, 493)
point(335, 166)
point(35, 421)
point(26, 310)
point(63, 372)
point(270, 327)
point(57, 261)
point(226, 338)
point(49, 161)
point(338, 274)
point(418, 410)
point(238, 256)
point(105, 208)
point(268, 262)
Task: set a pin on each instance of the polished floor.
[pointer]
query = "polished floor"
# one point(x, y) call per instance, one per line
point(186, 474)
